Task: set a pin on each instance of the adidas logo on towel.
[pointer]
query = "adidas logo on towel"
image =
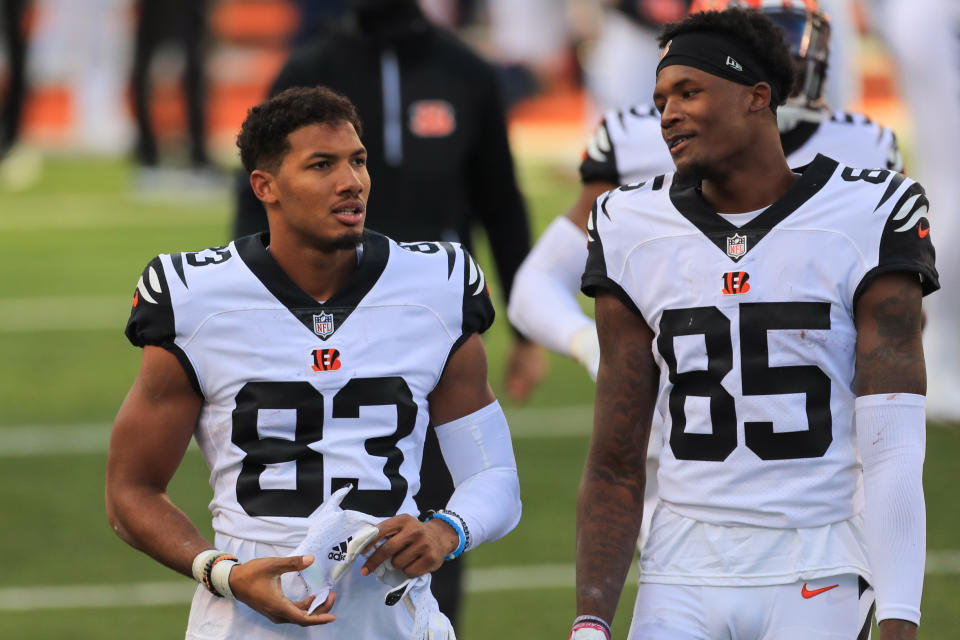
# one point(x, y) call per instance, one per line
point(734, 64)
point(339, 551)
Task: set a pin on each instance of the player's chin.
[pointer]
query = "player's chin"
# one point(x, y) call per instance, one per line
point(348, 239)
point(692, 171)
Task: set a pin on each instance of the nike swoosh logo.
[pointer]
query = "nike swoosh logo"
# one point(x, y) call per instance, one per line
point(807, 593)
point(922, 232)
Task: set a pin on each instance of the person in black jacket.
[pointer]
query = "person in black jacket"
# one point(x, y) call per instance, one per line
point(438, 153)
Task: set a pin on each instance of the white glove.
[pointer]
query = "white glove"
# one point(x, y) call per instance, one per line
point(428, 622)
point(585, 347)
point(335, 538)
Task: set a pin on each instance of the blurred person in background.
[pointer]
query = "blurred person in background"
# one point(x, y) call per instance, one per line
point(15, 48)
point(628, 148)
point(626, 41)
point(439, 155)
point(185, 22)
point(924, 37)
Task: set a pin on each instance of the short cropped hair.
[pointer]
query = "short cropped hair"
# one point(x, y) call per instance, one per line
point(263, 138)
point(764, 39)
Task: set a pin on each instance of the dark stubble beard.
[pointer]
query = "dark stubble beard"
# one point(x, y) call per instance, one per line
point(348, 240)
point(697, 172)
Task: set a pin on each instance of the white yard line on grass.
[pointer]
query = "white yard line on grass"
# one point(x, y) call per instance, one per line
point(479, 580)
point(46, 440)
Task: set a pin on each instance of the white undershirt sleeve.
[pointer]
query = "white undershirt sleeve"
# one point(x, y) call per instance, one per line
point(543, 302)
point(891, 437)
point(479, 453)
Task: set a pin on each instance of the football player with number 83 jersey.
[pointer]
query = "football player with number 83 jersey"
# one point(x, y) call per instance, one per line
point(308, 363)
point(772, 318)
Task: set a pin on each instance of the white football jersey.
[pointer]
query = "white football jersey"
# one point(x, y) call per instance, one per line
point(628, 146)
point(755, 335)
point(301, 397)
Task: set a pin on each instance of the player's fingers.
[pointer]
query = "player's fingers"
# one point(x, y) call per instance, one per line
point(387, 528)
point(292, 563)
point(304, 604)
point(388, 549)
point(420, 565)
point(410, 555)
point(290, 612)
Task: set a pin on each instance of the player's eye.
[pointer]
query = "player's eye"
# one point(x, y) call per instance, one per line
point(360, 161)
point(689, 93)
point(320, 164)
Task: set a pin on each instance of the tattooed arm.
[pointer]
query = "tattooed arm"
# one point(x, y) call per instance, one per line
point(610, 502)
point(889, 347)
point(890, 383)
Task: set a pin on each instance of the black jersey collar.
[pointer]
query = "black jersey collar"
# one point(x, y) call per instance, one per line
point(322, 319)
point(735, 241)
point(798, 136)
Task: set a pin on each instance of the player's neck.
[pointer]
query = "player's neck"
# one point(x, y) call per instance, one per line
point(319, 273)
point(756, 183)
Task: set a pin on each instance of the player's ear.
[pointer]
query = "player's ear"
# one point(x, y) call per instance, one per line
point(264, 186)
point(760, 96)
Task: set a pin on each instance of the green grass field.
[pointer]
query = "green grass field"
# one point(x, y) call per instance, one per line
point(73, 248)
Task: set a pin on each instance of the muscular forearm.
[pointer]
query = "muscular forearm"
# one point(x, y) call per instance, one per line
point(610, 503)
point(609, 512)
point(150, 522)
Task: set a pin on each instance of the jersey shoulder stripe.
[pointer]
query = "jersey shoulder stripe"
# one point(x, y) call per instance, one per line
point(618, 133)
point(454, 272)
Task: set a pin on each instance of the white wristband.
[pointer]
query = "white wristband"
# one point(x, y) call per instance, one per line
point(220, 577)
point(200, 561)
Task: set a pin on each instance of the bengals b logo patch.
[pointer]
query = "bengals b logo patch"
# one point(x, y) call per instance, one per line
point(326, 360)
point(735, 282)
point(432, 118)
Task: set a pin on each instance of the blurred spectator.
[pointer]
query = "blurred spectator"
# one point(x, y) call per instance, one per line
point(186, 22)
point(14, 38)
point(439, 157)
point(627, 41)
point(316, 15)
point(924, 37)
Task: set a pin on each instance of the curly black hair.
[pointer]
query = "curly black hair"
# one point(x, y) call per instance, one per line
point(263, 137)
point(764, 39)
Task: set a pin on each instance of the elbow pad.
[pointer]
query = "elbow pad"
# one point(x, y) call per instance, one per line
point(479, 453)
point(891, 437)
point(543, 302)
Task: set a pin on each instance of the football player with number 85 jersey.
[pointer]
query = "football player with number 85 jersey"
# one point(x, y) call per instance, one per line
point(308, 363)
point(772, 317)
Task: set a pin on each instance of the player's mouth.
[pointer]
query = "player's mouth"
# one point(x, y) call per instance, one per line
point(678, 142)
point(349, 212)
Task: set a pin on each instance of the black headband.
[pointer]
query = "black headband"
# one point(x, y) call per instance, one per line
point(719, 55)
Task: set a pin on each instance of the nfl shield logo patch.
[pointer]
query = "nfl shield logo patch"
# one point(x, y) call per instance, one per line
point(736, 245)
point(323, 324)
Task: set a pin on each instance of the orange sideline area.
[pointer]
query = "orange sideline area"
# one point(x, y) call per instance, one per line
point(251, 36)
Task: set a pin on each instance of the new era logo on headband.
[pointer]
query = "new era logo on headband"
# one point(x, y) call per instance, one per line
point(734, 64)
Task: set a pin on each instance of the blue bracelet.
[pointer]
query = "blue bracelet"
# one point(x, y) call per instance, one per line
point(456, 527)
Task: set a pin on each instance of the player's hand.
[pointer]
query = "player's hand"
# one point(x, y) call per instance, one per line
point(413, 547)
point(526, 367)
point(892, 629)
point(257, 584)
